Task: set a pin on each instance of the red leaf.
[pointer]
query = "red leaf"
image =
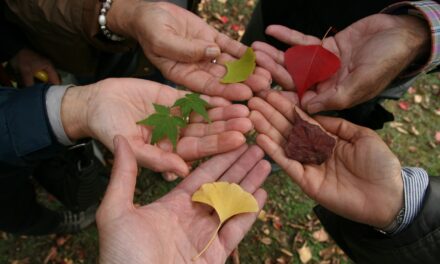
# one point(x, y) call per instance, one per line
point(437, 137)
point(309, 65)
point(235, 27)
point(224, 19)
point(404, 106)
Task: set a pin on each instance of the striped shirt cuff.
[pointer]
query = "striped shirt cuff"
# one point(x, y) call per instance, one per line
point(415, 183)
point(430, 11)
point(54, 97)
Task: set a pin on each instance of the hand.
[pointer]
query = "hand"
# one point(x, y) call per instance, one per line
point(174, 229)
point(361, 181)
point(181, 45)
point(27, 63)
point(373, 52)
point(113, 106)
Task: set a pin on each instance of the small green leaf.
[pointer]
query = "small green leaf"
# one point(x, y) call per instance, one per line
point(240, 70)
point(164, 125)
point(192, 102)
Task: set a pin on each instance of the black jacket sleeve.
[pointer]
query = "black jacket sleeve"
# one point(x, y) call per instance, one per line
point(418, 243)
point(12, 40)
point(25, 133)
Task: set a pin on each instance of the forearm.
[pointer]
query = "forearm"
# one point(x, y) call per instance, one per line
point(26, 135)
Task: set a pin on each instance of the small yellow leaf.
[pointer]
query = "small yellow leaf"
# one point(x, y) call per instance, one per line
point(240, 70)
point(228, 199)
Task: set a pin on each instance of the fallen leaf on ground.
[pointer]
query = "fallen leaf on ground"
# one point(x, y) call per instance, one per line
point(305, 254)
point(418, 98)
point(266, 240)
point(320, 235)
point(240, 70)
point(262, 216)
point(414, 131)
point(411, 90)
point(401, 130)
point(287, 252)
point(412, 149)
point(437, 137)
point(228, 199)
point(403, 105)
point(50, 255)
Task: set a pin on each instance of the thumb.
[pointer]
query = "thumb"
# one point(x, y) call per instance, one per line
point(188, 50)
point(121, 188)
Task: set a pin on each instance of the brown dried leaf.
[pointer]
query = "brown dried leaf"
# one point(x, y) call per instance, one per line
point(414, 131)
point(266, 240)
point(308, 143)
point(327, 253)
point(320, 235)
point(396, 124)
point(287, 252)
point(402, 130)
point(412, 149)
point(305, 254)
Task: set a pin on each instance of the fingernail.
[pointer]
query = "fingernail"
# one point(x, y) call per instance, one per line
point(212, 52)
point(116, 142)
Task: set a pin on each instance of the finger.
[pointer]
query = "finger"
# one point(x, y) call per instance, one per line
point(260, 80)
point(279, 73)
point(276, 55)
point(181, 49)
point(235, 229)
point(230, 46)
point(169, 176)
point(52, 75)
point(211, 170)
point(329, 99)
point(242, 125)
point(120, 190)
point(292, 97)
point(282, 104)
point(263, 126)
point(193, 148)
point(243, 165)
point(293, 168)
point(256, 177)
point(343, 129)
point(290, 36)
point(276, 119)
point(156, 159)
point(222, 113)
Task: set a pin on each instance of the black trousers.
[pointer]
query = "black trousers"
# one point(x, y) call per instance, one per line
point(315, 17)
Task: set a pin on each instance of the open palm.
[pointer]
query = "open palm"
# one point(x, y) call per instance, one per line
point(174, 229)
point(176, 41)
point(360, 181)
point(373, 52)
point(113, 106)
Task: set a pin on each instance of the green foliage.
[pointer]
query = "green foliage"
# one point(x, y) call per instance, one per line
point(192, 102)
point(240, 70)
point(164, 124)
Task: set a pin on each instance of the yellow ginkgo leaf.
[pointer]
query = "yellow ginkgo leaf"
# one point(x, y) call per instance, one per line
point(228, 199)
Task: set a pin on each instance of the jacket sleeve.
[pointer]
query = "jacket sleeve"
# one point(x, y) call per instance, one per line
point(25, 132)
point(72, 17)
point(418, 243)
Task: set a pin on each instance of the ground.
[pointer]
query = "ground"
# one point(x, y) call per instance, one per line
point(288, 229)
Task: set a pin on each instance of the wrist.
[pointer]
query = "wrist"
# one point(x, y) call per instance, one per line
point(121, 15)
point(395, 203)
point(74, 106)
point(418, 35)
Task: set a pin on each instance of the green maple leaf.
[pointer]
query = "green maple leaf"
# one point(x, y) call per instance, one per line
point(192, 102)
point(240, 70)
point(164, 124)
